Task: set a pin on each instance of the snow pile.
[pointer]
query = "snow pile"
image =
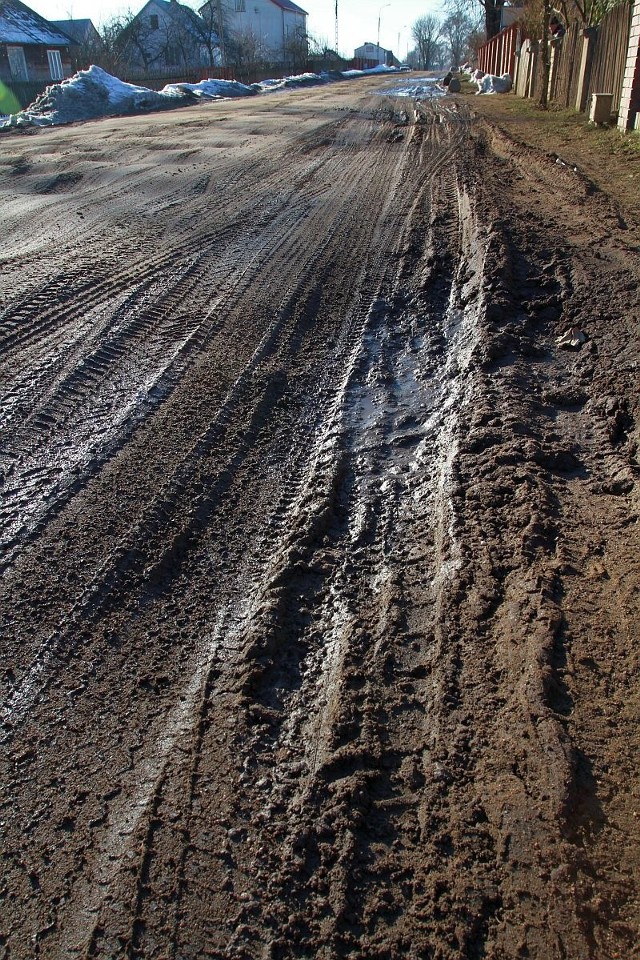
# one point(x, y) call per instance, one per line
point(302, 80)
point(95, 93)
point(471, 70)
point(89, 94)
point(314, 79)
point(491, 84)
point(211, 89)
point(381, 68)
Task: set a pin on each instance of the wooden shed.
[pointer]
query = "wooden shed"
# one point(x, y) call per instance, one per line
point(32, 50)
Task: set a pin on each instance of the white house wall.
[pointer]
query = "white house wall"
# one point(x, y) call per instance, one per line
point(265, 20)
point(371, 51)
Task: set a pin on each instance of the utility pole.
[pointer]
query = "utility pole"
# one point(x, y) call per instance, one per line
point(336, 26)
point(379, 15)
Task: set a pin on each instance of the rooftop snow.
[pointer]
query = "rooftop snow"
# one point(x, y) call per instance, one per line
point(18, 24)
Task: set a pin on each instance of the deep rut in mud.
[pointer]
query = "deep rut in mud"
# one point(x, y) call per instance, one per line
point(319, 559)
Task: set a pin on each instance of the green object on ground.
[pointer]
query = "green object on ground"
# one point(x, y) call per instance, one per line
point(8, 101)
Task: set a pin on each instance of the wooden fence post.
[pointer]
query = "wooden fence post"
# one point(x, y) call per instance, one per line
point(553, 70)
point(588, 44)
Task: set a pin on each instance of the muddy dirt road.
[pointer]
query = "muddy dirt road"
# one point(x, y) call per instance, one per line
point(319, 558)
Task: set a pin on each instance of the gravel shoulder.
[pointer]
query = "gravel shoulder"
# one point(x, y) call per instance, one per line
point(318, 555)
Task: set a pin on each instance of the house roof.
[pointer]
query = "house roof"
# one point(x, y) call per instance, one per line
point(179, 11)
point(78, 30)
point(19, 24)
point(290, 6)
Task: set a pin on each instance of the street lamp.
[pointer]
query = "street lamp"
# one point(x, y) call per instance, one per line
point(379, 15)
point(399, 34)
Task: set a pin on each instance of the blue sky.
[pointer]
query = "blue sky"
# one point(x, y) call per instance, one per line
point(357, 19)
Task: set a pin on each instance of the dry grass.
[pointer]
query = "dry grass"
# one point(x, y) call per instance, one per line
point(609, 158)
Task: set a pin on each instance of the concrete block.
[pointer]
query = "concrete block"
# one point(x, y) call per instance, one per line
point(600, 109)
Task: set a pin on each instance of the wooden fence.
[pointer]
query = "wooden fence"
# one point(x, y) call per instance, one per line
point(610, 54)
point(583, 61)
point(566, 57)
point(498, 55)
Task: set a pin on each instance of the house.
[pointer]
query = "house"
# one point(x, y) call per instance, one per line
point(168, 37)
point(277, 27)
point(88, 44)
point(373, 55)
point(32, 50)
point(82, 32)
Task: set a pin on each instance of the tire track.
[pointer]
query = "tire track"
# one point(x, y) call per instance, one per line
point(301, 736)
point(153, 522)
point(249, 607)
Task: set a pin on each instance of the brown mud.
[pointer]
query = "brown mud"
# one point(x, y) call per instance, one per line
point(319, 558)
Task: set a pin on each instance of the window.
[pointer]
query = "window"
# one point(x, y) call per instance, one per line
point(17, 63)
point(55, 65)
point(240, 6)
point(154, 23)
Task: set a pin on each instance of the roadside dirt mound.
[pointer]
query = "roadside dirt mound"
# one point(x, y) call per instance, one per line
point(319, 555)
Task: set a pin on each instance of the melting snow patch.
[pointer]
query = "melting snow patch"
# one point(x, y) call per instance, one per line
point(420, 89)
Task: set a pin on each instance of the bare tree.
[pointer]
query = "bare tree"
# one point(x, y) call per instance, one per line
point(456, 30)
point(426, 32)
point(151, 44)
point(181, 46)
point(295, 49)
point(247, 51)
point(138, 43)
point(215, 30)
point(89, 50)
point(492, 12)
point(318, 46)
point(587, 12)
point(124, 39)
